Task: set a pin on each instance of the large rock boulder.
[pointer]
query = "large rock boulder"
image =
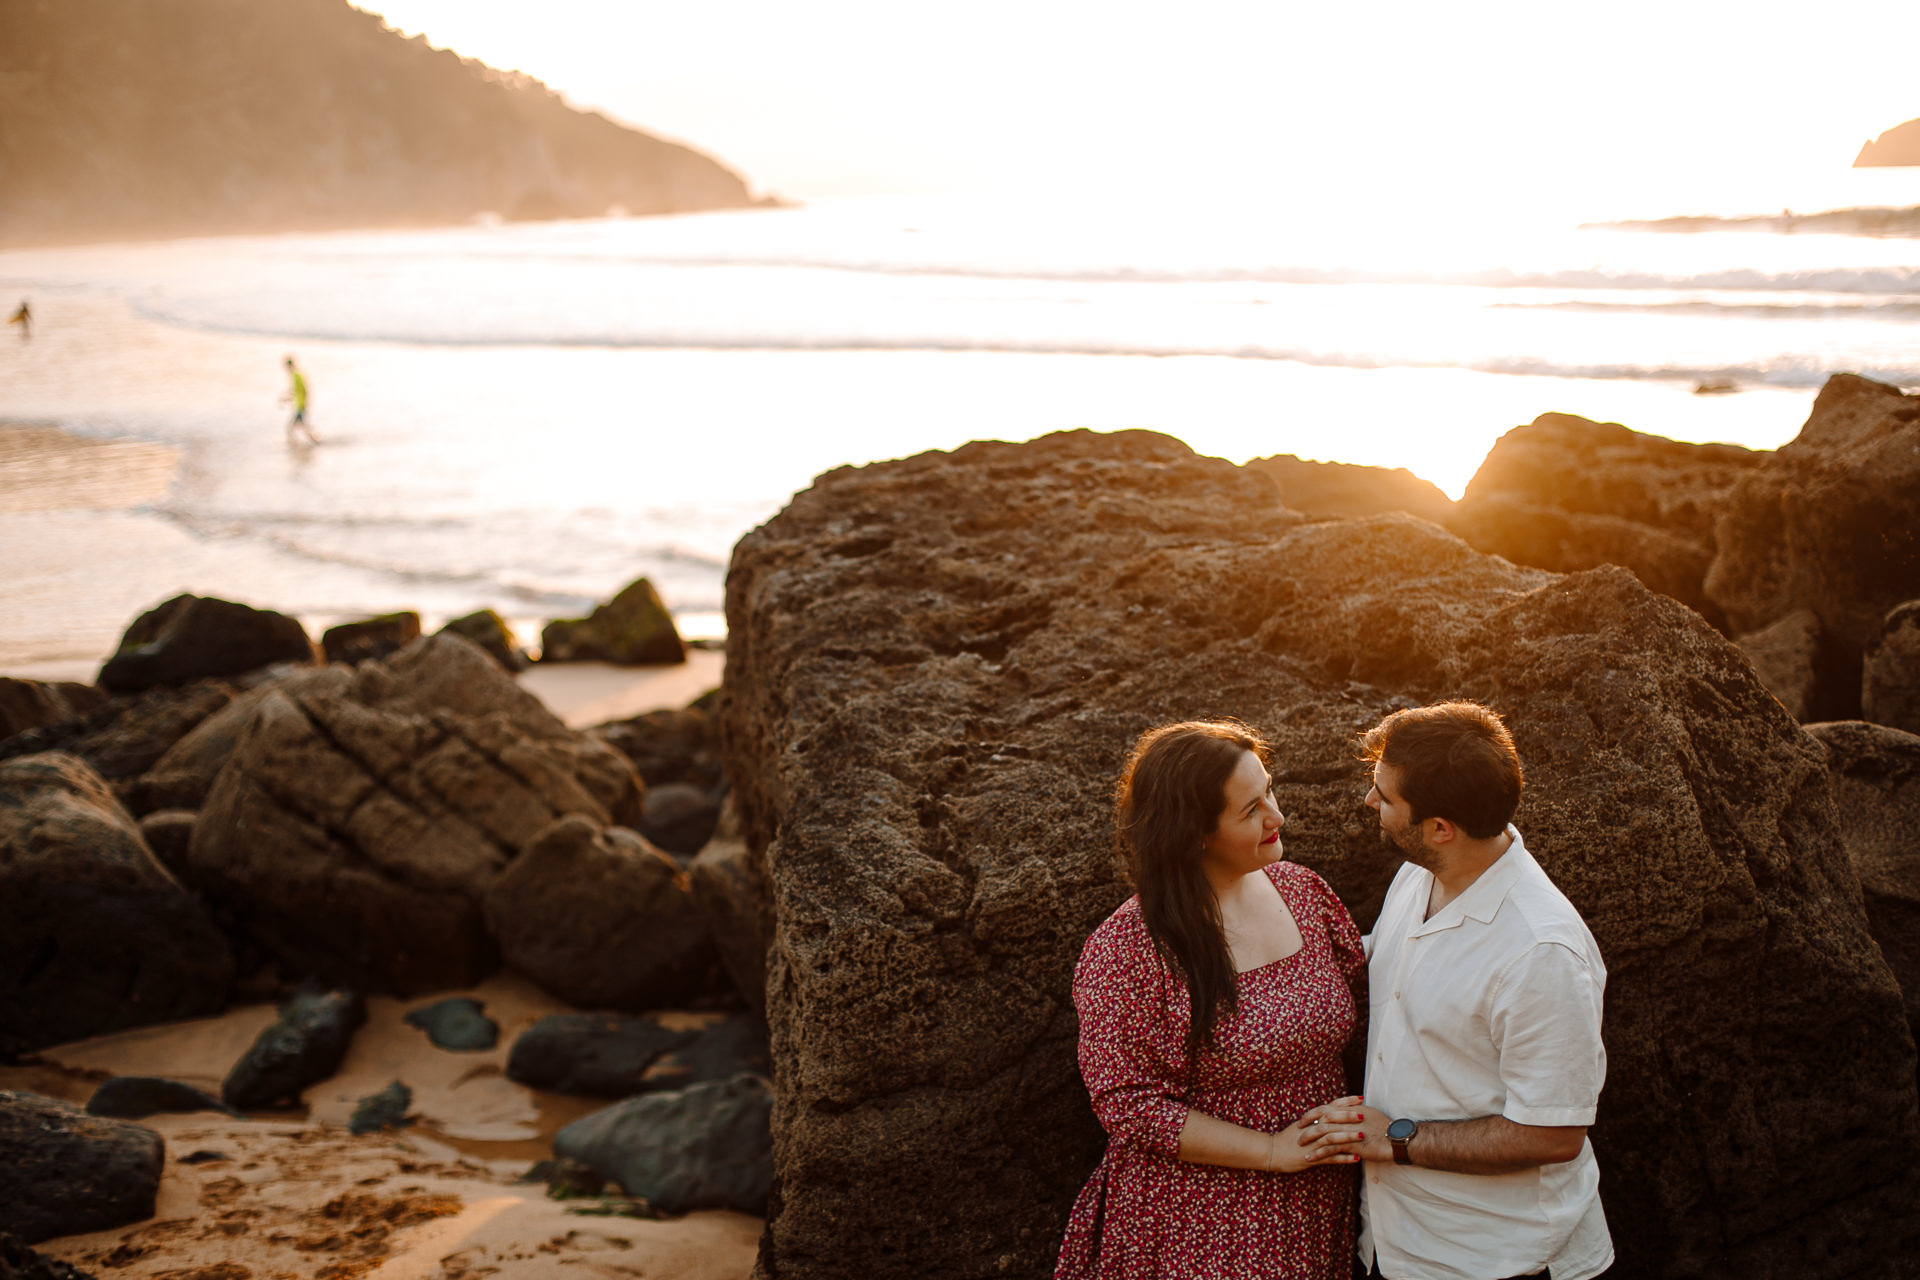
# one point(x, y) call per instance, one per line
point(182, 777)
point(363, 814)
point(730, 890)
point(1335, 490)
point(633, 627)
point(1876, 788)
point(602, 919)
point(192, 636)
point(1567, 494)
point(601, 1055)
point(1800, 666)
point(95, 934)
point(490, 631)
point(1830, 523)
point(704, 1147)
point(935, 667)
point(377, 637)
point(1890, 680)
point(669, 746)
point(31, 704)
point(64, 1172)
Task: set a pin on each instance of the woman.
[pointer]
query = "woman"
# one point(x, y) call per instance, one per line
point(1213, 1010)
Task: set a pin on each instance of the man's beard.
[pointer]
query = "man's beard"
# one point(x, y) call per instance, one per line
point(1410, 843)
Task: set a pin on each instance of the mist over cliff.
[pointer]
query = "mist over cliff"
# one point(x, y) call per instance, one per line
point(123, 118)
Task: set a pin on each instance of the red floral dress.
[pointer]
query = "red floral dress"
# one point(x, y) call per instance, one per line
point(1147, 1215)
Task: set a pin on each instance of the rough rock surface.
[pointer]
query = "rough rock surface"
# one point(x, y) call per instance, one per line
point(64, 1172)
point(602, 919)
point(1876, 788)
point(31, 704)
point(1792, 659)
point(730, 889)
point(304, 1047)
point(376, 637)
point(1567, 494)
point(192, 636)
point(1830, 523)
point(1333, 490)
point(934, 668)
point(183, 776)
point(633, 627)
point(95, 934)
point(363, 814)
point(601, 1055)
point(1890, 679)
point(705, 1147)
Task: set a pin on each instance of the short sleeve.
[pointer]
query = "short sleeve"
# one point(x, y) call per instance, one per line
point(1544, 1015)
point(1132, 1052)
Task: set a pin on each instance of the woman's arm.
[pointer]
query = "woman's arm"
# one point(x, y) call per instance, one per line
point(1315, 1138)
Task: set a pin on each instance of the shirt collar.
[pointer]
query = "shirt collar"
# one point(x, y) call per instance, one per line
point(1483, 897)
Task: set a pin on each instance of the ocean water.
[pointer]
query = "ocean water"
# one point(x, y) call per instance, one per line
point(528, 416)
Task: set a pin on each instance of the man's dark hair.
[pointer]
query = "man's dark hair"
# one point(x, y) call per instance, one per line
point(1455, 760)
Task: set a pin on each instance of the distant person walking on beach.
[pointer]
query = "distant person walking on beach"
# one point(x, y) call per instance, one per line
point(24, 318)
point(297, 395)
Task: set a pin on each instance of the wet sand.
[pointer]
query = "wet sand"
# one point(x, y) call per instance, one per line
point(296, 1195)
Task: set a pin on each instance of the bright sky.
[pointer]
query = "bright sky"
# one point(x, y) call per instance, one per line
point(838, 97)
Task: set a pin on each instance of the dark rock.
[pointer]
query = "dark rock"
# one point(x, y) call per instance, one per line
point(730, 889)
point(565, 1179)
point(1890, 685)
point(33, 704)
point(679, 818)
point(934, 669)
point(386, 1109)
point(95, 934)
point(1567, 494)
point(600, 1055)
point(363, 814)
point(1876, 789)
point(728, 1048)
point(491, 632)
point(300, 1050)
point(136, 1097)
point(1799, 666)
point(18, 1262)
point(458, 1023)
point(123, 738)
point(669, 746)
point(376, 637)
point(64, 1172)
point(633, 627)
point(602, 919)
point(1830, 523)
point(193, 636)
point(1336, 490)
point(707, 1147)
point(168, 833)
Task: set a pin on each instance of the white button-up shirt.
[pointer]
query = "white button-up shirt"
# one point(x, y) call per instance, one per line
point(1490, 1008)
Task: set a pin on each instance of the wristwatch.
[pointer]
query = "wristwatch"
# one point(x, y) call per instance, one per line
point(1400, 1133)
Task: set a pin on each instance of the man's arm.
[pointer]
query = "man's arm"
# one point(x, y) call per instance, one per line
point(1486, 1145)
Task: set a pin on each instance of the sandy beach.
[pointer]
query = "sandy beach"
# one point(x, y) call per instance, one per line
point(296, 1195)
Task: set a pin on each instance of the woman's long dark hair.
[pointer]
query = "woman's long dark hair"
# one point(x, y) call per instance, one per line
point(1168, 802)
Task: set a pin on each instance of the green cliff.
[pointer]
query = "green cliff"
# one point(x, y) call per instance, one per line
point(138, 118)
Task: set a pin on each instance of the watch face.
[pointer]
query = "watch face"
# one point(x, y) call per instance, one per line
point(1401, 1130)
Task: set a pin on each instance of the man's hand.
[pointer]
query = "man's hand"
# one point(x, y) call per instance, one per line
point(1487, 1145)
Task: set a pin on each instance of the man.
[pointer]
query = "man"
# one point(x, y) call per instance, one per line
point(1484, 1060)
point(297, 396)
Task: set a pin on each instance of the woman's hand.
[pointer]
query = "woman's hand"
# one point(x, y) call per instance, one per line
point(1327, 1134)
